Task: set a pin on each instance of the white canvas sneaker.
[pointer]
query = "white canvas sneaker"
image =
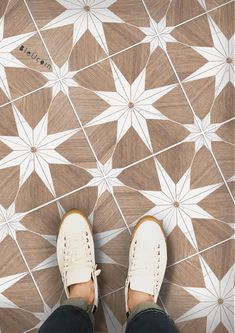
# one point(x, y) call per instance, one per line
point(147, 258)
point(75, 252)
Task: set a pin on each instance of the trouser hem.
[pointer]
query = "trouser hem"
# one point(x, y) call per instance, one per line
point(80, 303)
point(142, 307)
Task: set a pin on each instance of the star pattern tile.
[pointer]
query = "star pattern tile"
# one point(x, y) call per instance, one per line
point(220, 59)
point(85, 15)
point(208, 131)
point(215, 300)
point(131, 105)
point(60, 79)
point(105, 177)
point(34, 150)
point(84, 28)
point(152, 34)
point(9, 222)
point(177, 204)
point(120, 109)
point(16, 61)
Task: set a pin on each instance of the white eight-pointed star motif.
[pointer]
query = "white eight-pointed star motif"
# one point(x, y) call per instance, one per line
point(131, 105)
point(110, 175)
point(208, 129)
point(177, 204)
point(220, 59)
point(34, 149)
point(60, 79)
point(216, 300)
point(10, 222)
point(86, 15)
point(156, 29)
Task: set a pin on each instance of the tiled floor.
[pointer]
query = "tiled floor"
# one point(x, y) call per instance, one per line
point(121, 109)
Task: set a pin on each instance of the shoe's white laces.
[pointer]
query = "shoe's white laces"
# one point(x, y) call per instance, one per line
point(78, 253)
point(145, 261)
point(77, 250)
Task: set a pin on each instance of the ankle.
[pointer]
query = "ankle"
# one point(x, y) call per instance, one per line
point(137, 297)
point(84, 290)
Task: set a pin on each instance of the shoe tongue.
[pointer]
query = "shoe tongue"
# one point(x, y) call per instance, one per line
point(144, 284)
point(78, 275)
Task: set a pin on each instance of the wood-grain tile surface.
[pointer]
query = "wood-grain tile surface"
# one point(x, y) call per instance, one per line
point(121, 109)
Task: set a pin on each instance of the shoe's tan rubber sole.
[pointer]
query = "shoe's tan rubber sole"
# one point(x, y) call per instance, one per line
point(75, 211)
point(144, 219)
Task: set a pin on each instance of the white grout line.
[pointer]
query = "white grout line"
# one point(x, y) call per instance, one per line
point(97, 161)
point(22, 96)
point(81, 125)
point(26, 263)
point(79, 70)
point(112, 292)
point(108, 57)
point(71, 103)
point(58, 198)
point(199, 252)
point(104, 178)
point(49, 202)
point(126, 167)
point(163, 305)
point(191, 107)
point(118, 206)
point(159, 152)
point(103, 60)
point(178, 262)
point(213, 126)
point(112, 55)
point(222, 175)
point(83, 68)
point(206, 12)
point(84, 132)
point(146, 8)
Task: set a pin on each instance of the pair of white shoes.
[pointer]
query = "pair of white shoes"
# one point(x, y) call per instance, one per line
point(76, 256)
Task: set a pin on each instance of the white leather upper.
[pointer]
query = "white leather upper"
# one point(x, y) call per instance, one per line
point(147, 260)
point(75, 252)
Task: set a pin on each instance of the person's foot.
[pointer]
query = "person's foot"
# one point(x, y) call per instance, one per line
point(76, 257)
point(147, 263)
point(84, 290)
